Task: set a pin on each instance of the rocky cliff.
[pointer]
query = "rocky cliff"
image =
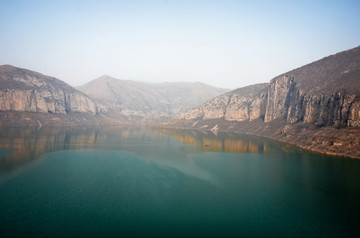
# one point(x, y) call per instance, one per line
point(243, 104)
point(138, 101)
point(33, 99)
point(27, 91)
point(318, 96)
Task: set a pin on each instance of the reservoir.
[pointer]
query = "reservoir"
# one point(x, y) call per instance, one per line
point(143, 182)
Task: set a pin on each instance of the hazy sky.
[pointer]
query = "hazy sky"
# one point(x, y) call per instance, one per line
point(223, 43)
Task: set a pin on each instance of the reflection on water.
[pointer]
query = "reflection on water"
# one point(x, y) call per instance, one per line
point(21, 146)
point(225, 142)
point(28, 144)
point(141, 181)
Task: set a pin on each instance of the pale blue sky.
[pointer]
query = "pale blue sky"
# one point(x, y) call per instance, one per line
point(223, 43)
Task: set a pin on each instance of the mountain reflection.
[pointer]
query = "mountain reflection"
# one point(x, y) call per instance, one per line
point(20, 146)
point(223, 142)
point(24, 145)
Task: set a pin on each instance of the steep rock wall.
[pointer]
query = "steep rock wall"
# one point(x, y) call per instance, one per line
point(286, 101)
point(322, 93)
point(45, 101)
point(233, 106)
point(282, 99)
point(27, 91)
point(278, 97)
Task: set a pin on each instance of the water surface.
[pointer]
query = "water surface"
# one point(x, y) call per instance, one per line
point(138, 182)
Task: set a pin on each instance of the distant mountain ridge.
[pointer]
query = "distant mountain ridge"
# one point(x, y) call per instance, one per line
point(298, 106)
point(132, 100)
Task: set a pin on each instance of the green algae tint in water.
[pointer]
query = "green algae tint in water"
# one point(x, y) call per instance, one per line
point(124, 182)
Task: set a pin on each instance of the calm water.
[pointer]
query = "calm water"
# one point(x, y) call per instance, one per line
point(128, 182)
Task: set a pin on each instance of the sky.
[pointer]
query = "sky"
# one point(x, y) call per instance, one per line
point(228, 44)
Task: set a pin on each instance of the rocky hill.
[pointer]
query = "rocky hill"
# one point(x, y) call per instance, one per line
point(242, 104)
point(316, 106)
point(31, 98)
point(131, 100)
point(27, 91)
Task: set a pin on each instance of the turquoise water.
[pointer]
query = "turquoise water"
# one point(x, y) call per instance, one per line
point(128, 182)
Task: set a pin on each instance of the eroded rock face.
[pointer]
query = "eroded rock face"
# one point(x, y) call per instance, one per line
point(283, 100)
point(323, 93)
point(287, 101)
point(279, 91)
point(28, 91)
point(239, 105)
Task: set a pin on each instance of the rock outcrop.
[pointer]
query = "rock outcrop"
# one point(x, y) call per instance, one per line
point(27, 91)
point(322, 94)
point(29, 98)
point(243, 104)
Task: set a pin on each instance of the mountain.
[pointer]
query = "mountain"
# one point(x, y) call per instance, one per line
point(31, 98)
point(131, 100)
point(316, 106)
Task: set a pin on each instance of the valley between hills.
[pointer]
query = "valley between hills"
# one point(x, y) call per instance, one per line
point(316, 106)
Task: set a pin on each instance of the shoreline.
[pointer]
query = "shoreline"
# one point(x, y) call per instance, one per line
point(327, 141)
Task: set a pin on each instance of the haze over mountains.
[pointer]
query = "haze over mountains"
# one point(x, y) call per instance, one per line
point(316, 106)
point(131, 100)
point(31, 98)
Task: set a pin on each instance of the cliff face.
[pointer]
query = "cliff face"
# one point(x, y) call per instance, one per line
point(322, 94)
point(287, 101)
point(329, 99)
point(27, 91)
point(239, 105)
point(138, 101)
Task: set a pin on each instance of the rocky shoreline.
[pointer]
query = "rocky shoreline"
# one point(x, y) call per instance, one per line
point(328, 140)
